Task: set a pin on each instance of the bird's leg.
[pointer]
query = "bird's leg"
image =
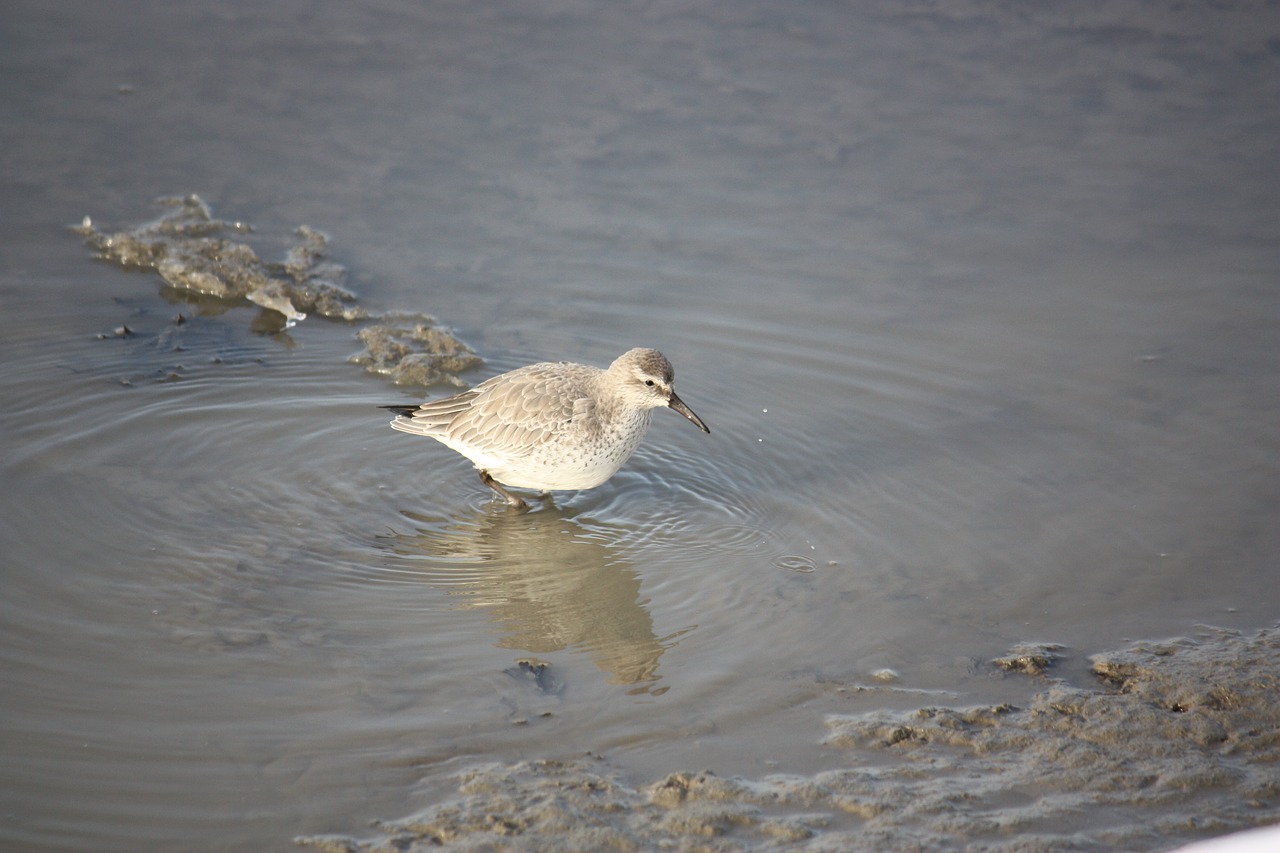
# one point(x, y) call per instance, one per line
point(514, 500)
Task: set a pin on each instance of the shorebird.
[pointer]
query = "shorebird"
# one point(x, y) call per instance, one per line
point(552, 425)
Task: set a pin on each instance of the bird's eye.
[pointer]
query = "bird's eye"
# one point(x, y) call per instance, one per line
point(649, 382)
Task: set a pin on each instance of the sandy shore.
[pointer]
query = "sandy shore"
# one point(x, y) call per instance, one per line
point(1171, 741)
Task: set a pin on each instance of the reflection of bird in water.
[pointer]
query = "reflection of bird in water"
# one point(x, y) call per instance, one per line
point(554, 425)
point(548, 582)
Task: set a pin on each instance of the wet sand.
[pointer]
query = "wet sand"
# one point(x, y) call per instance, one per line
point(1170, 741)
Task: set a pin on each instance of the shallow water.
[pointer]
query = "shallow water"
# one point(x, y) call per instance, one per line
point(978, 302)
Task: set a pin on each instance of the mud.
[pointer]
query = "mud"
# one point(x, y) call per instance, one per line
point(1030, 658)
point(1166, 743)
point(196, 255)
point(410, 349)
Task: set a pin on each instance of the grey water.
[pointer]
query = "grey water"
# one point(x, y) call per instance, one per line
point(979, 301)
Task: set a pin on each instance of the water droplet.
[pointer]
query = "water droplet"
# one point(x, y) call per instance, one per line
point(795, 563)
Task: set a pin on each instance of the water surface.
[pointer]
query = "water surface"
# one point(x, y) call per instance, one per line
point(978, 301)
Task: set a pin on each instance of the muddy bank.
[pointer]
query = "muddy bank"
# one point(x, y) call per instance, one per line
point(1169, 742)
point(198, 256)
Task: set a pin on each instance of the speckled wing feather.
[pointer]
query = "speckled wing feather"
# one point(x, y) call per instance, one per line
point(511, 413)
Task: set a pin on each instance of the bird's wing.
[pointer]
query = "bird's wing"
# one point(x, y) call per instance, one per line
point(517, 410)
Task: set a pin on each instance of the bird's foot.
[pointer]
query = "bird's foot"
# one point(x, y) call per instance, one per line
point(514, 500)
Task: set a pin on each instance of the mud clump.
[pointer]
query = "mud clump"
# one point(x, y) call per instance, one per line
point(1169, 743)
point(1030, 658)
point(191, 250)
point(197, 254)
point(412, 350)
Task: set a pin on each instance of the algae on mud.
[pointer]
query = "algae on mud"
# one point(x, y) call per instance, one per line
point(1173, 742)
point(191, 250)
point(1030, 658)
point(412, 350)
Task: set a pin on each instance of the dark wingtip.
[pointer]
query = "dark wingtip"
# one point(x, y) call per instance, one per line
point(403, 411)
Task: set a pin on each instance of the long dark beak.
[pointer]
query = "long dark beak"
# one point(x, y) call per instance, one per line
point(678, 404)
